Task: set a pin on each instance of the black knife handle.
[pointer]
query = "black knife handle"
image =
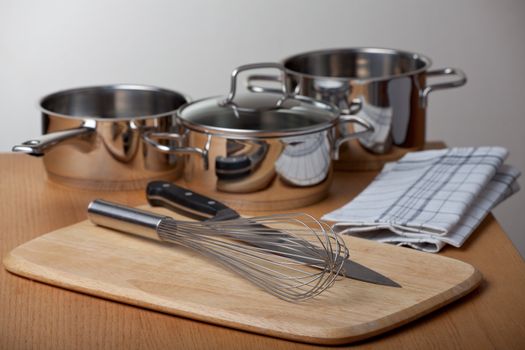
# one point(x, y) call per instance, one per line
point(171, 196)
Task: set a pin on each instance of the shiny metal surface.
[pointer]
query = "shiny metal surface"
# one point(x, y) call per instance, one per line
point(94, 137)
point(254, 116)
point(139, 222)
point(261, 115)
point(253, 139)
point(233, 80)
point(390, 84)
point(296, 258)
point(38, 146)
point(299, 161)
point(180, 199)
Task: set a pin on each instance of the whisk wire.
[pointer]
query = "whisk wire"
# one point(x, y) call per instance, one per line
point(294, 257)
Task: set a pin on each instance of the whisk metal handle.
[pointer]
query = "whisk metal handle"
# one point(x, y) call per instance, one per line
point(126, 219)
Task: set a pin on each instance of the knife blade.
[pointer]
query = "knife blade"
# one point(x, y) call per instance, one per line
point(200, 207)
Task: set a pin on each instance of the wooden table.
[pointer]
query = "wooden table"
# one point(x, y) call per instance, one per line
point(35, 315)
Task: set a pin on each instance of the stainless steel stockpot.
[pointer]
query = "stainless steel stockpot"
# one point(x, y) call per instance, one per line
point(391, 85)
point(93, 136)
point(247, 141)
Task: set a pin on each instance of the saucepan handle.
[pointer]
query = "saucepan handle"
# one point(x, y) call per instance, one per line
point(152, 138)
point(459, 81)
point(39, 145)
point(348, 118)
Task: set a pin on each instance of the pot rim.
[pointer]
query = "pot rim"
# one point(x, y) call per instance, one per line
point(427, 63)
point(241, 134)
point(257, 134)
point(119, 86)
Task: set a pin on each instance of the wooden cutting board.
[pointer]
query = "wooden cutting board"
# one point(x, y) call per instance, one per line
point(174, 280)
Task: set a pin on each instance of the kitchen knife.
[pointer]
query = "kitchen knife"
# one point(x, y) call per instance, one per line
point(169, 195)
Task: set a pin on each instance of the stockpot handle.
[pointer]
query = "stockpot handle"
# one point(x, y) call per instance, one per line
point(354, 107)
point(152, 137)
point(460, 81)
point(39, 145)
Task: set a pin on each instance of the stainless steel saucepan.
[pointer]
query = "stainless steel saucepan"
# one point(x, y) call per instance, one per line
point(93, 136)
point(249, 140)
point(391, 85)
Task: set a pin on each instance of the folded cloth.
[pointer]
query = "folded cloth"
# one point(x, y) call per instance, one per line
point(429, 199)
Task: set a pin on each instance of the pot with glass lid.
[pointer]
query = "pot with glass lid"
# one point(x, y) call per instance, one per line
point(247, 142)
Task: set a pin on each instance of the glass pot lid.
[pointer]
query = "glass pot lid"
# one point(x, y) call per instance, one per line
point(258, 114)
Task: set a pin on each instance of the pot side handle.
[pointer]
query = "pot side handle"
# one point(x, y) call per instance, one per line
point(460, 81)
point(39, 145)
point(369, 128)
point(153, 138)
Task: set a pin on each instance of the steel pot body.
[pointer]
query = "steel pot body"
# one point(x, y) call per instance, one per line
point(391, 85)
point(236, 164)
point(93, 137)
point(232, 163)
point(248, 142)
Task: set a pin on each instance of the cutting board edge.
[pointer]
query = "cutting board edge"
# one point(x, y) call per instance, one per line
point(447, 297)
point(21, 267)
point(341, 336)
point(327, 336)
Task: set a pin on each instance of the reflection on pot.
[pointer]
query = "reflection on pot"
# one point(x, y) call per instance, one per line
point(93, 137)
point(305, 160)
point(243, 157)
point(390, 122)
point(276, 143)
point(381, 119)
point(391, 84)
point(332, 91)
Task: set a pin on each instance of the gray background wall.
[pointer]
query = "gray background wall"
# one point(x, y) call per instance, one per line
point(193, 45)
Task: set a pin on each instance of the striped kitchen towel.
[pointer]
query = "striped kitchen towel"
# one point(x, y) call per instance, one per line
point(431, 198)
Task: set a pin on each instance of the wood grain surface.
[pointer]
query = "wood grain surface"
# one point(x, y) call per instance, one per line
point(40, 316)
point(118, 266)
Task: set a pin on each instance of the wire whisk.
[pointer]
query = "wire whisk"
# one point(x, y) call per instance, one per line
point(292, 256)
